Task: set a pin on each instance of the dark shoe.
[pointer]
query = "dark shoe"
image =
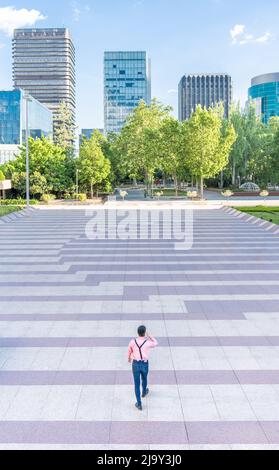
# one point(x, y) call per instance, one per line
point(146, 393)
point(138, 406)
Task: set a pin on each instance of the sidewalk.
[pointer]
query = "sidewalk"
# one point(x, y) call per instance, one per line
point(68, 307)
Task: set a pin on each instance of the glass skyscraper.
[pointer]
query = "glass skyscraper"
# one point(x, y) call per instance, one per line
point(13, 122)
point(44, 65)
point(205, 90)
point(126, 81)
point(264, 92)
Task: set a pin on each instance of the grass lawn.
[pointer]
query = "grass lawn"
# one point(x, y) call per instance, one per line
point(271, 214)
point(4, 210)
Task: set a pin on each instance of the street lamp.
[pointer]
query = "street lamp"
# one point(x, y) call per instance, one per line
point(77, 173)
point(27, 99)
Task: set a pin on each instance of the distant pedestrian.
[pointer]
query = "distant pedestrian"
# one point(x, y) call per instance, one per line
point(138, 353)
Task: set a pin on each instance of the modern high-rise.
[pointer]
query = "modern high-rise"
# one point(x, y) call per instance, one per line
point(205, 90)
point(264, 92)
point(13, 122)
point(127, 81)
point(44, 65)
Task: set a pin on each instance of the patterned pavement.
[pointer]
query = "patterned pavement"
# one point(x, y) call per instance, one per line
point(68, 307)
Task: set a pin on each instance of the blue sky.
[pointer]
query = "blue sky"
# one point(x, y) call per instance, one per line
point(239, 37)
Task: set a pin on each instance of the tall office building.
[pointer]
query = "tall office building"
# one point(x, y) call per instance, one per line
point(13, 124)
point(264, 92)
point(127, 80)
point(44, 65)
point(205, 90)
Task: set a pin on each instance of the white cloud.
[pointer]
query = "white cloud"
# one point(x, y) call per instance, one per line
point(240, 36)
point(77, 13)
point(172, 91)
point(2, 45)
point(11, 18)
point(237, 31)
point(264, 38)
point(79, 9)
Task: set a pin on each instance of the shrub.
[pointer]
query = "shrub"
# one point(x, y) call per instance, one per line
point(2, 176)
point(228, 193)
point(47, 198)
point(16, 202)
point(192, 194)
point(264, 193)
point(81, 197)
point(123, 194)
point(69, 197)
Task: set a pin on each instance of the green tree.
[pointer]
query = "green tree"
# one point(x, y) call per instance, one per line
point(253, 129)
point(249, 156)
point(112, 152)
point(207, 146)
point(274, 154)
point(38, 184)
point(19, 182)
point(170, 149)
point(139, 141)
point(49, 160)
point(2, 176)
point(64, 129)
point(236, 159)
point(94, 167)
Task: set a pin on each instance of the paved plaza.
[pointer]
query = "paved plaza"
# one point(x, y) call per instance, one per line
point(69, 306)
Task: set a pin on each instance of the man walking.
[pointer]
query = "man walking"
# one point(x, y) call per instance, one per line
point(138, 352)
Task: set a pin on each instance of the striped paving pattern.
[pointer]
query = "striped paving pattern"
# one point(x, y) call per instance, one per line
point(68, 307)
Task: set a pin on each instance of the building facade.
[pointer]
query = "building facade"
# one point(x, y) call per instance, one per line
point(13, 122)
point(127, 81)
point(44, 65)
point(264, 92)
point(205, 90)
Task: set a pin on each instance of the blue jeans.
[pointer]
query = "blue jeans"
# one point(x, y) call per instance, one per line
point(140, 371)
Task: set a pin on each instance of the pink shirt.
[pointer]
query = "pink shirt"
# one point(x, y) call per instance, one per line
point(134, 352)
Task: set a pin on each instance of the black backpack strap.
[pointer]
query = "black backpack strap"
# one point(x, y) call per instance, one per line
point(140, 347)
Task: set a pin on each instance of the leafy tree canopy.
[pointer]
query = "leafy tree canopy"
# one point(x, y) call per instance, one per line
point(208, 147)
point(94, 168)
point(47, 159)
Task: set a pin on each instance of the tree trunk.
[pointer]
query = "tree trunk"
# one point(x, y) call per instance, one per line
point(201, 187)
point(147, 183)
point(91, 190)
point(233, 174)
point(175, 184)
point(222, 180)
